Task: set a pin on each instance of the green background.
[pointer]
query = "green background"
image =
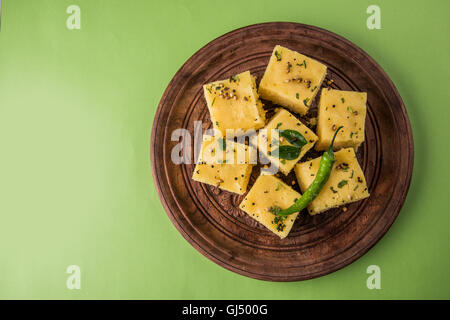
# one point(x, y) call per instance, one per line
point(76, 112)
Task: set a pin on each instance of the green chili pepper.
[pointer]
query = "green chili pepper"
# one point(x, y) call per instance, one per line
point(326, 164)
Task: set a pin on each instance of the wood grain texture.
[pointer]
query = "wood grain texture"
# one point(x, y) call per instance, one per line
point(210, 219)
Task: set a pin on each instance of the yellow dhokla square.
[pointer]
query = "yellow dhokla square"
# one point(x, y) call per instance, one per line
point(234, 104)
point(292, 79)
point(346, 183)
point(341, 108)
point(269, 191)
point(224, 164)
point(267, 143)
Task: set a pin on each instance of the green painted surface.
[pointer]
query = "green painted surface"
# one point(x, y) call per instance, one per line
point(76, 111)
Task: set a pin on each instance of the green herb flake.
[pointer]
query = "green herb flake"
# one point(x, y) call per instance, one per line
point(342, 183)
point(332, 189)
point(350, 109)
point(277, 55)
point(278, 125)
point(214, 100)
point(297, 95)
point(279, 219)
point(234, 79)
point(305, 102)
point(343, 100)
point(356, 187)
point(275, 209)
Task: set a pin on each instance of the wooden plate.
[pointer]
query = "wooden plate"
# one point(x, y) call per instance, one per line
point(210, 219)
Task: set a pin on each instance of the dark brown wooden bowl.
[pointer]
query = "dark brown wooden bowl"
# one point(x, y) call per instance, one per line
point(210, 219)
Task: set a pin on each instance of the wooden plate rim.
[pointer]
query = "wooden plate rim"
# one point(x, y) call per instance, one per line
point(201, 247)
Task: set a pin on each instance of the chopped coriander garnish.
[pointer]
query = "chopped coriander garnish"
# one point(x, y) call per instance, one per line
point(275, 209)
point(297, 95)
point(214, 100)
point(278, 125)
point(356, 187)
point(343, 100)
point(305, 102)
point(332, 189)
point(350, 109)
point(234, 78)
point(342, 183)
point(277, 55)
point(302, 64)
point(279, 219)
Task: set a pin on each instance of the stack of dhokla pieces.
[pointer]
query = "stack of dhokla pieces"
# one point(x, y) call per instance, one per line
point(291, 80)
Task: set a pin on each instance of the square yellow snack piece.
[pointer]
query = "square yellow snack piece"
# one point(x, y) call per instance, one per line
point(225, 164)
point(269, 191)
point(346, 183)
point(283, 120)
point(341, 108)
point(234, 104)
point(292, 79)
